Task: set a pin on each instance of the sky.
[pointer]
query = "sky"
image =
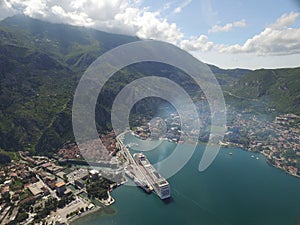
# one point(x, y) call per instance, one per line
point(228, 34)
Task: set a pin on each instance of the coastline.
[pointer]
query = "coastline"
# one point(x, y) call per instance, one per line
point(265, 155)
point(105, 203)
point(76, 217)
point(234, 145)
point(121, 216)
point(111, 200)
point(280, 168)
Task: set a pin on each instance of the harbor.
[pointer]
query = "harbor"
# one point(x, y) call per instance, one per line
point(194, 191)
point(142, 173)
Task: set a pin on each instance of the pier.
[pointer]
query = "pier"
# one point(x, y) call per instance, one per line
point(140, 170)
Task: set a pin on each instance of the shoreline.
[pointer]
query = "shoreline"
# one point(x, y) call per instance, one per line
point(111, 200)
point(77, 217)
point(98, 209)
point(266, 156)
point(280, 168)
point(105, 203)
point(233, 145)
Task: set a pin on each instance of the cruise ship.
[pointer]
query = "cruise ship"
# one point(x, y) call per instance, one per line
point(143, 173)
point(159, 183)
point(138, 181)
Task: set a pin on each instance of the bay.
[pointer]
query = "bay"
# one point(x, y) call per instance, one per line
point(236, 189)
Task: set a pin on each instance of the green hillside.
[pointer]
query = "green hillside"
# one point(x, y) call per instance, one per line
point(269, 90)
point(229, 76)
point(40, 65)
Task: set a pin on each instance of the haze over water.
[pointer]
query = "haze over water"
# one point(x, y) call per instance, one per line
point(235, 190)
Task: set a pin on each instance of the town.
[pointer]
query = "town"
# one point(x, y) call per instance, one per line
point(277, 139)
point(42, 190)
point(59, 189)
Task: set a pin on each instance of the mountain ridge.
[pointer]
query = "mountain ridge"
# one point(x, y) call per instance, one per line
point(276, 89)
point(40, 66)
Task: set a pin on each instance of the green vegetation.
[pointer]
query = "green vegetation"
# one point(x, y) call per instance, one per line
point(269, 91)
point(4, 158)
point(17, 184)
point(98, 188)
point(25, 195)
point(42, 210)
point(41, 64)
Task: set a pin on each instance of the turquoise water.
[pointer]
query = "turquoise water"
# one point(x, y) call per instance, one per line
point(235, 190)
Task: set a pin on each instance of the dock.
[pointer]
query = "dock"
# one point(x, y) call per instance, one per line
point(143, 174)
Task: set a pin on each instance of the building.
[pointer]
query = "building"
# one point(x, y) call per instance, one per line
point(60, 188)
point(79, 183)
point(36, 189)
point(94, 174)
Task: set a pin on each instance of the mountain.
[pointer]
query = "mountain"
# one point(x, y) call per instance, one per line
point(229, 76)
point(40, 66)
point(270, 90)
point(74, 46)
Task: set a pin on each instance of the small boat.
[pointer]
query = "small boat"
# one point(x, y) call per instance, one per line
point(230, 153)
point(252, 156)
point(257, 158)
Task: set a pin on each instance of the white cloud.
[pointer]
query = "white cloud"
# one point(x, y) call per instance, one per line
point(197, 44)
point(128, 17)
point(241, 23)
point(227, 27)
point(285, 20)
point(276, 39)
point(5, 10)
point(118, 16)
point(218, 28)
point(182, 6)
point(149, 25)
point(71, 17)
